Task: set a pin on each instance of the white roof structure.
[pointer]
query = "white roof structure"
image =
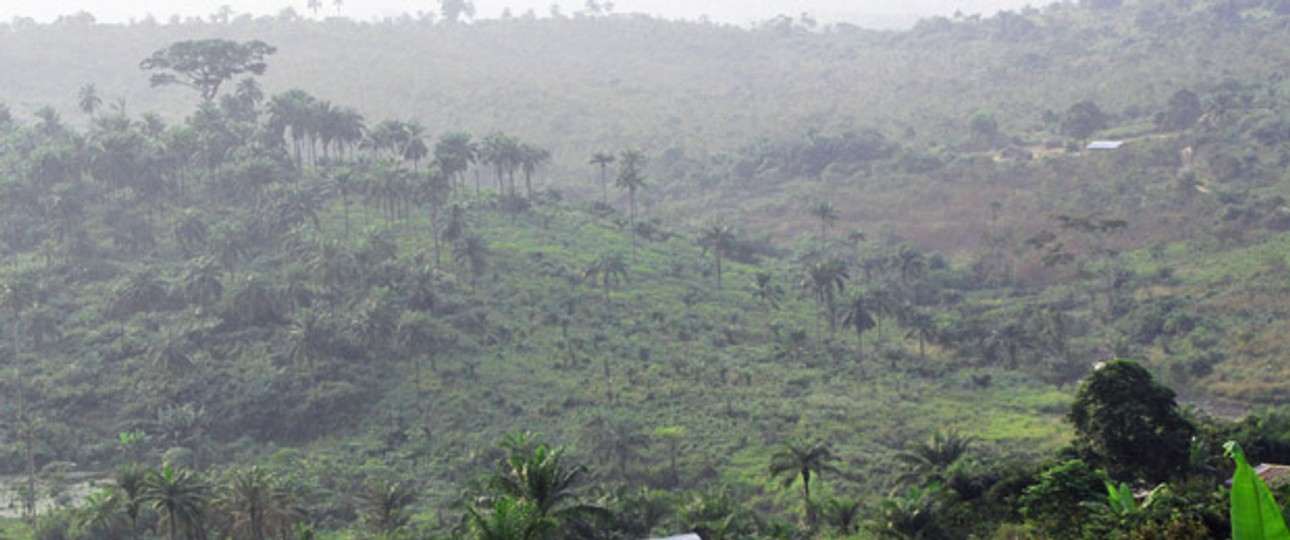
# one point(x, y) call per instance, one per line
point(1104, 145)
point(690, 536)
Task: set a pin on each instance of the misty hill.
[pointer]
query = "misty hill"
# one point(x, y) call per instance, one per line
point(859, 237)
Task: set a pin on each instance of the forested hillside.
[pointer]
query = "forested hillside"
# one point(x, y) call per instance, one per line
point(614, 277)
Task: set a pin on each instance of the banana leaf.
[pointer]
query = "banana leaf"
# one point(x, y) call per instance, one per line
point(1255, 514)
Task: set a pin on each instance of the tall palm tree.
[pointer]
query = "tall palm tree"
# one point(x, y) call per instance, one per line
point(608, 269)
point(471, 251)
point(455, 153)
point(909, 263)
point(603, 160)
point(859, 319)
point(180, 497)
point(826, 279)
point(130, 480)
point(631, 177)
point(798, 459)
point(719, 240)
point(920, 325)
point(248, 92)
point(88, 99)
point(531, 158)
point(765, 290)
point(826, 213)
point(387, 505)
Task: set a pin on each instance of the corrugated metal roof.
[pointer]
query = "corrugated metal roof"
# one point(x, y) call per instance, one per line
point(1104, 145)
point(690, 536)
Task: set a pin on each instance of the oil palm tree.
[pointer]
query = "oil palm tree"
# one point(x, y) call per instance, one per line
point(543, 479)
point(765, 290)
point(101, 514)
point(826, 213)
point(180, 497)
point(925, 461)
point(258, 504)
point(719, 240)
point(531, 158)
point(799, 459)
point(603, 160)
point(826, 279)
point(129, 480)
point(387, 505)
point(631, 177)
point(88, 99)
point(608, 270)
point(509, 519)
point(859, 318)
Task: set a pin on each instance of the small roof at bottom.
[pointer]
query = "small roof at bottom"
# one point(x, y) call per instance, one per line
point(690, 536)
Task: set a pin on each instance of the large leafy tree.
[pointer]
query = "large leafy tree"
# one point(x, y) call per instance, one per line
point(1131, 423)
point(204, 65)
point(799, 459)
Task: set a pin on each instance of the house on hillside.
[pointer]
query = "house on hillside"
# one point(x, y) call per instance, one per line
point(1104, 145)
point(690, 536)
point(1273, 475)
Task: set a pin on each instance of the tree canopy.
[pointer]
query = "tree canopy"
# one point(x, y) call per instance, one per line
point(204, 65)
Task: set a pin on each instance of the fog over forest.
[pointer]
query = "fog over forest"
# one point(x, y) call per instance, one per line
point(866, 13)
point(603, 275)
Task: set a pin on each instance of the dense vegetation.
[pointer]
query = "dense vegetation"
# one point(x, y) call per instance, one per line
point(779, 289)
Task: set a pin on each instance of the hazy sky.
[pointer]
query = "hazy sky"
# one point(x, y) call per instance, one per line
point(884, 13)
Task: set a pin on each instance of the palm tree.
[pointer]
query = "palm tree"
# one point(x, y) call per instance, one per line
point(824, 211)
point(471, 252)
point(544, 480)
point(631, 178)
point(531, 157)
point(799, 459)
point(130, 480)
point(842, 514)
point(617, 440)
point(925, 461)
point(417, 336)
point(510, 519)
point(101, 514)
point(719, 240)
point(180, 497)
point(248, 92)
point(608, 269)
point(859, 319)
point(309, 338)
point(909, 263)
point(910, 515)
point(258, 504)
point(603, 160)
point(826, 279)
point(921, 325)
point(455, 153)
point(765, 290)
point(190, 231)
point(88, 99)
point(387, 505)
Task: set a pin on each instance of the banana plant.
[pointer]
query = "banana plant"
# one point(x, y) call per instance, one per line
point(1255, 514)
